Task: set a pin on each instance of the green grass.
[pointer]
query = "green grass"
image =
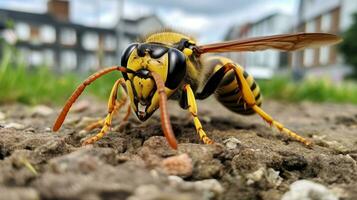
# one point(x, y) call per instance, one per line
point(33, 86)
point(320, 90)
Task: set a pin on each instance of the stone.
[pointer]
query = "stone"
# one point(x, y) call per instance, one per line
point(269, 175)
point(232, 143)
point(308, 190)
point(41, 110)
point(85, 160)
point(81, 106)
point(180, 165)
point(18, 193)
point(14, 125)
point(2, 116)
point(209, 187)
point(203, 159)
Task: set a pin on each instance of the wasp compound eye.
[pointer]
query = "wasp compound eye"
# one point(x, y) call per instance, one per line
point(154, 50)
point(177, 68)
point(158, 51)
point(125, 57)
point(142, 48)
point(126, 54)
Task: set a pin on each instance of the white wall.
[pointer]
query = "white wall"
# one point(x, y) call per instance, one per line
point(313, 8)
point(349, 7)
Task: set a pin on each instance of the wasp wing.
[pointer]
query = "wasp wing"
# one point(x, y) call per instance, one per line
point(284, 42)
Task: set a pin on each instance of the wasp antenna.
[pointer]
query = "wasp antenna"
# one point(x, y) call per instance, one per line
point(79, 91)
point(165, 119)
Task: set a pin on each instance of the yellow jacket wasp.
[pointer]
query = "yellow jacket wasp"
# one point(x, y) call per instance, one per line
point(170, 65)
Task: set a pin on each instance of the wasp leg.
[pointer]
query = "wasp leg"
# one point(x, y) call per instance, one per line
point(248, 97)
point(192, 107)
point(118, 105)
point(108, 119)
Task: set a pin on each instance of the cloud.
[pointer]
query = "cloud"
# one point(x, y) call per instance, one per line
point(199, 6)
point(134, 10)
point(212, 7)
point(25, 5)
point(95, 12)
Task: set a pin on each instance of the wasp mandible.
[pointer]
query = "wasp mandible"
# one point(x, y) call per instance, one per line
point(170, 65)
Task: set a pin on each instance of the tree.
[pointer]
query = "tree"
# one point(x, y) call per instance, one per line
point(349, 46)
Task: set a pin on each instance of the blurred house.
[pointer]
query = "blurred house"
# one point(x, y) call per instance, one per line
point(332, 16)
point(261, 64)
point(133, 29)
point(51, 39)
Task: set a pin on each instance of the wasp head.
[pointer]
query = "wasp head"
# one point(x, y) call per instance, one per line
point(143, 59)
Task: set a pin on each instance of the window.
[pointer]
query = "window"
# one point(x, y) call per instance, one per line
point(90, 62)
point(22, 31)
point(310, 26)
point(109, 60)
point(110, 42)
point(68, 36)
point(47, 34)
point(326, 22)
point(324, 55)
point(309, 57)
point(68, 60)
point(90, 41)
point(36, 58)
point(49, 58)
point(25, 55)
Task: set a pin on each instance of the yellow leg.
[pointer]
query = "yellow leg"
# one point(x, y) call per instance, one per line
point(118, 105)
point(108, 119)
point(248, 97)
point(192, 107)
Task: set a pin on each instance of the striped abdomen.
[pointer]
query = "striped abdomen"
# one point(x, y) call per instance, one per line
point(228, 92)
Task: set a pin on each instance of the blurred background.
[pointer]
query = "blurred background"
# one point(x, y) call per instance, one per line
point(49, 46)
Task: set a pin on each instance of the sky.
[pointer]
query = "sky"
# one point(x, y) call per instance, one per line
point(207, 20)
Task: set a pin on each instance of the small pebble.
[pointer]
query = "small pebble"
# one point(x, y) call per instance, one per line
point(308, 190)
point(208, 185)
point(180, 165)
point(232, 143)
point(30, 130)
point(211, 185)
point(273, 177)
point(41, 110)
point(2, 116)
point(18, 193)
point(270, 175)
point(81, 106)
point(255, 176)
point(72, 120)
point(14, 125)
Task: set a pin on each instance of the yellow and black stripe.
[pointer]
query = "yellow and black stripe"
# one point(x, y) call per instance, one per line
point(228, 92)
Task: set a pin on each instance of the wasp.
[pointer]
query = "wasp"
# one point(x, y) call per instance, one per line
point(170, 65)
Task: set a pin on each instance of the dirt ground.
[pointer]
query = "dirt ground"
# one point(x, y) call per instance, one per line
point(250, 160)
